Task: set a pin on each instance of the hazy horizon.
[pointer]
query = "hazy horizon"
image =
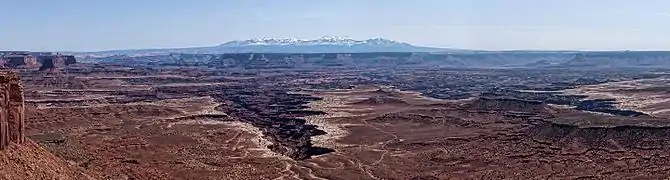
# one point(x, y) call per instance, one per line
point(71, 25)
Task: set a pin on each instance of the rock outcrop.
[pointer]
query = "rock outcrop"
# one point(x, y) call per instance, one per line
point(11, 109)
point(608, 135)
point(55, 62)
point(42, 60)
point(19, 61)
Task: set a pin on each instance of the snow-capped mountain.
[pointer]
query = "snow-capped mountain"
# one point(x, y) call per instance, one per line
point(289, 45)
point(321, 45)
point(341, 41)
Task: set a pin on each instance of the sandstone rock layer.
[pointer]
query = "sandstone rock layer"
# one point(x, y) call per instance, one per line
point(11, 109)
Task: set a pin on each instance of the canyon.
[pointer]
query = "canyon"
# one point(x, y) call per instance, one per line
point(338, 116)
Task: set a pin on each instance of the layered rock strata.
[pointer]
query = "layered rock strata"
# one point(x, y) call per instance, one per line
point(11, 109)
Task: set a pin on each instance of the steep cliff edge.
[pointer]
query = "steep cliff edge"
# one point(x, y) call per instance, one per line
point(21, 158)
point(609, 133)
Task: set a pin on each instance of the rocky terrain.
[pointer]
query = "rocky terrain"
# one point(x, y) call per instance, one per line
point(31, 161)
point(11, 109)
point(321, 116)
point(21, 158)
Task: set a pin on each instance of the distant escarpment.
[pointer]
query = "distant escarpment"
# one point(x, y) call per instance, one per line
point(19, 61)
point(29, 60)
point(602, 133)
point(371, 59)
point(484, 59)
point(620, 59)
point(578, 102)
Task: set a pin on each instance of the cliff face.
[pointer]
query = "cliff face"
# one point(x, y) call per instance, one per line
point(618, 138)
point(54, 62)
point(11, 109)
point(45, 61)
point(19, 61)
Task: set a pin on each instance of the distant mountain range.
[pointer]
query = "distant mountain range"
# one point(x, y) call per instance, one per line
point(377, 52)
point(477, 59)
point(286, 45)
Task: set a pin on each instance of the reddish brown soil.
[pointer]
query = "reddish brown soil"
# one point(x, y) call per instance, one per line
point(30, 161)
point(133, 141)
point(450, 142)
point(149, 128)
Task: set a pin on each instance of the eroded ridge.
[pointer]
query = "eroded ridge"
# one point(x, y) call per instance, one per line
point(11, 109)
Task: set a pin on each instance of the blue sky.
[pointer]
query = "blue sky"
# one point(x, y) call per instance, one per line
point(90, 25)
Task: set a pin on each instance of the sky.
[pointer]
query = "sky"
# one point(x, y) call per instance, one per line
point(93, 25)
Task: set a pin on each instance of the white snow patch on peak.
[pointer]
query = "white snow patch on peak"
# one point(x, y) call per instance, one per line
point(325, 40)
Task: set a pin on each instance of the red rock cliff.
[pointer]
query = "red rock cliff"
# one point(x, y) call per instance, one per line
point(54, 62)
point(11, 109)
